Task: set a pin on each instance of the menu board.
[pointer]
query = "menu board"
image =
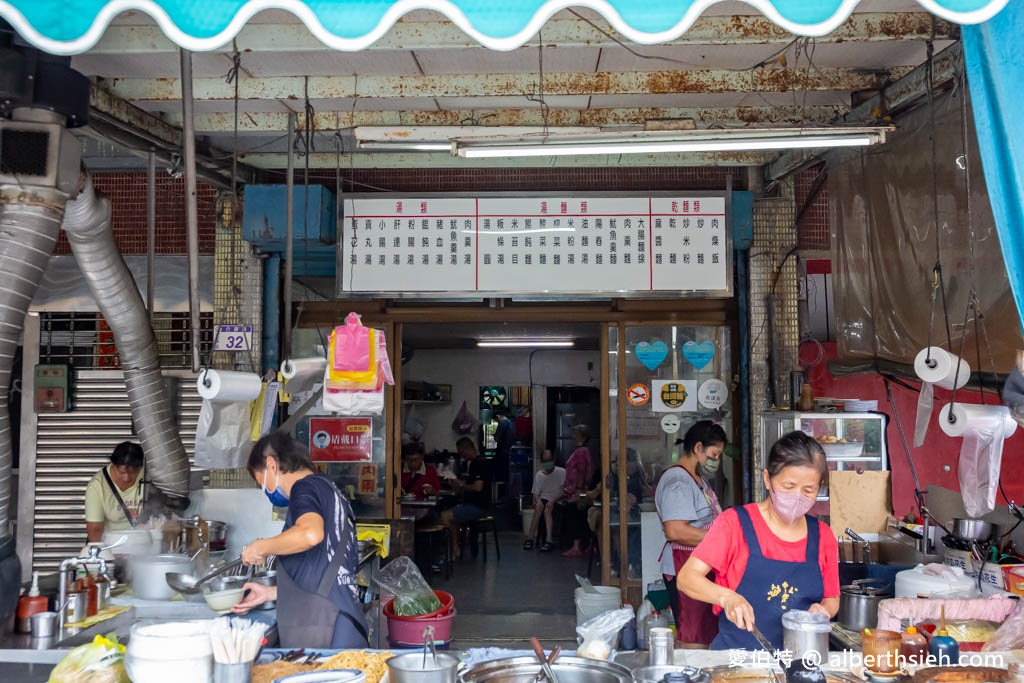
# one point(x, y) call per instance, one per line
point(535, 244)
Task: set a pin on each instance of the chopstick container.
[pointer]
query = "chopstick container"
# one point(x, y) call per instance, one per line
point(240, 672)
point(415, 668)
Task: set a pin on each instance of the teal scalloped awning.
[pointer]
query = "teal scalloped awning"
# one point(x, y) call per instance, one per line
point(73, 26)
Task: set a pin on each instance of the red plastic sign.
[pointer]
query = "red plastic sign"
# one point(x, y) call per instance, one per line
point(340, 439)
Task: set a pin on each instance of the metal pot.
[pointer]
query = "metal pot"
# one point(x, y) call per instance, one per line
point(806, 632)
point(149, 574)
point(415, 667)
point(858, 603)
point(567, 670)
point(972, 529)
point(267, 578)
point(218, 534)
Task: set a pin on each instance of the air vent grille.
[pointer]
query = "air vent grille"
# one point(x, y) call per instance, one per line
point(24, 152)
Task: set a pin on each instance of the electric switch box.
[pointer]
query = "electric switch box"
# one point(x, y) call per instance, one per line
point(53, 388)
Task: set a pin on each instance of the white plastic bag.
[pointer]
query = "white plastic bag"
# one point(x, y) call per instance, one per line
point(600, 634)
point(223, 434)
point(414, 426)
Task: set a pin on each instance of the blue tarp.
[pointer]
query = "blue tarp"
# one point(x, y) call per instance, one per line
point(994, 59)
point(73, 26)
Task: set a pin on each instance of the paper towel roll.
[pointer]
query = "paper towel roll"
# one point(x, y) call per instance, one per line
point(971, 419)
point(227, 385)
point(939, 366)
point(301, 374)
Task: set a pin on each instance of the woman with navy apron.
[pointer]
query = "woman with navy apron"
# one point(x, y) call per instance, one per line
point(316, 592)
point(769, 557)
point(687, 505)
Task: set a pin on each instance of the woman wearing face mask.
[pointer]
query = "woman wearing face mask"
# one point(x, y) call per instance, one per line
point(769, 557)
point(316, 592)
point(687, 505)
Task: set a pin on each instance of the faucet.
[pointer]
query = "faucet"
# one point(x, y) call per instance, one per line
point(865, 547)
point(73, 563)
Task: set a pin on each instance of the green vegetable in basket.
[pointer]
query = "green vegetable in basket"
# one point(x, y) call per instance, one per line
point(415, 605)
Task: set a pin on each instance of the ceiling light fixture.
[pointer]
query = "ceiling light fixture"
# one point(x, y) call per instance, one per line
point(524, 343)
point(406, 146)
point(704, 143)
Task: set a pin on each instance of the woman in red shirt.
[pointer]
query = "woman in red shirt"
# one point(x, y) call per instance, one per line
point(769, 557)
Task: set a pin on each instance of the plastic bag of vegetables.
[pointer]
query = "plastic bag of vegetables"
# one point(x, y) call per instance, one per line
point(413, 595)
point(101, 661)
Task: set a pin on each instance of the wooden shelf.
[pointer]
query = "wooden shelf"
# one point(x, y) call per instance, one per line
point(423, 402)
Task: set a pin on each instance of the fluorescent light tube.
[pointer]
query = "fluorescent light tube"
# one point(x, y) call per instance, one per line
point(662, 146)
point(411, 146)
point(525, 343)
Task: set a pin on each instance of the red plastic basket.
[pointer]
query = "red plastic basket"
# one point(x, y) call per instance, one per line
point(447, 604)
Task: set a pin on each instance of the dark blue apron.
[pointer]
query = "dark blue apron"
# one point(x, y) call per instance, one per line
point(772, 587)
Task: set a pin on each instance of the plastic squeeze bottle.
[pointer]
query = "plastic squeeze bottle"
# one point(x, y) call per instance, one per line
point(627, 637)
point(913, 647)
point(943, 649)
point(30, 604)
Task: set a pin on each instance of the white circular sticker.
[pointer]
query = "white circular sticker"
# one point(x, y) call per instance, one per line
point(712, 393)
point(670, 423)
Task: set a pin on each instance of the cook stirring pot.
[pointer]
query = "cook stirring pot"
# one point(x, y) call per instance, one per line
point(858, 603)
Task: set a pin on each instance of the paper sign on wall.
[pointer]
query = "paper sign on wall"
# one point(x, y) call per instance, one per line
point(674, 395)
point(713, 393)
point(367, 480)
point(341, 439)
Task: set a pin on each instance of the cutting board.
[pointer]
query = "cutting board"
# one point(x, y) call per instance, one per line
point(861, 501)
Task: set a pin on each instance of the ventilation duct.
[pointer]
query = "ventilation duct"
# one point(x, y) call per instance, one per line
point(87, 224)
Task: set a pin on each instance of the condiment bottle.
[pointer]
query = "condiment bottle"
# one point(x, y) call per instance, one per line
point(653, 620)
point(807, 398)
point(943, 649)
point(30, 604)
point(913, 647)
point(92, 592)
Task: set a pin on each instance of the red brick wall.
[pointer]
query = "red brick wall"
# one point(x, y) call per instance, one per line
point(127, 193)
point(611, 180)
point(814, 228)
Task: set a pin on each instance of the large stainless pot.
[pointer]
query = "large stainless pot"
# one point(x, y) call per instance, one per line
point(858, 603)
point(218, 534)
point(149, 574)
point(972, 529)
point(567, 670)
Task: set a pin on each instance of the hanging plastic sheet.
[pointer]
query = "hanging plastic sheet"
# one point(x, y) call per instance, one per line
point(983, 429)
point(884, 245)
point(362, 401)
point(224, 429)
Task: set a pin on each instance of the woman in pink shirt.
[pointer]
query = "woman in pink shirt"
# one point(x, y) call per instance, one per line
point(579, 471)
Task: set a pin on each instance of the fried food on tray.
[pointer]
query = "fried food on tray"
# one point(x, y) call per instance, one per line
point(370, 663)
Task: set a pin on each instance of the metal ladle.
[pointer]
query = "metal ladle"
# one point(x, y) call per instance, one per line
point(190, 585)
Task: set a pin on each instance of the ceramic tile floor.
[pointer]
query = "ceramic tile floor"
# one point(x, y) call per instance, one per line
point(504, 602)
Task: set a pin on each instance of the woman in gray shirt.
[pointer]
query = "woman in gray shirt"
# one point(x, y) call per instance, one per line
point(687, 505)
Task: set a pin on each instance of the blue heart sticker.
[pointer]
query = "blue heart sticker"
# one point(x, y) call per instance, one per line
point(699, 355)
point(651, 355)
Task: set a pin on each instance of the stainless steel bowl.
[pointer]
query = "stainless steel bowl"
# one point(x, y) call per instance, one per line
point(972, 529)
point(567, 670)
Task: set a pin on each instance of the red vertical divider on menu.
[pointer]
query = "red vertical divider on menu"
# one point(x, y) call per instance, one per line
point(476, 230)
point(650, 238)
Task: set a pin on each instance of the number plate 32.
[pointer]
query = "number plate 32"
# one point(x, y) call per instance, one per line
point(233, 338)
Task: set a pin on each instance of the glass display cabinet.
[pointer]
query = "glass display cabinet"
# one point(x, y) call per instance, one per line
point(852, 441)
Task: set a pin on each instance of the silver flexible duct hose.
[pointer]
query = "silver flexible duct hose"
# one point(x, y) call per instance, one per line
point(30, 220)
point(87, 224)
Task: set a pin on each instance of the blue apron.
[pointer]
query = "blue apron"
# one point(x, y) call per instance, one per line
point(772, 587)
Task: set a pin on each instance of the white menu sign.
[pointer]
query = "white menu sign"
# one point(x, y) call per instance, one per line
point(534, 244)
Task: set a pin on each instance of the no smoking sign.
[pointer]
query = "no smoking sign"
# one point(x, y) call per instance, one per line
point(638, 394)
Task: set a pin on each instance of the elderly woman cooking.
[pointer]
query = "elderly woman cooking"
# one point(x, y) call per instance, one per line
point(317, 597)
point(771, 556)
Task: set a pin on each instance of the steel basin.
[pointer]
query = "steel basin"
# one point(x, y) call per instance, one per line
point(567, 670)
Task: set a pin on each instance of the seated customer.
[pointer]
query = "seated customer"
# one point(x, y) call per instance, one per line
point(474, 488)
point(547, 490)
point(419, 479)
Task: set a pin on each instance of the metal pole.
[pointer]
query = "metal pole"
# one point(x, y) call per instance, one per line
point(191, 198)
point(150, 231)
point(286, 335)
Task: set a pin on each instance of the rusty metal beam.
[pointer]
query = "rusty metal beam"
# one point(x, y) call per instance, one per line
point(431, 160)
point(700, 81)
point(275, 123)
point(139, 132)
point(557, 33)
point(889, 101)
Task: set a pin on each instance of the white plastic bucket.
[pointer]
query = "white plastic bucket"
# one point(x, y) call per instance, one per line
point(590, 605)
point(527, 521)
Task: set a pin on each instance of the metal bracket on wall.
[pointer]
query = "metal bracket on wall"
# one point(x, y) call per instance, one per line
point(288, 426)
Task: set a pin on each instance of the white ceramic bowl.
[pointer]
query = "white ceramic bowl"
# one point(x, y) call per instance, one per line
point(222, 601)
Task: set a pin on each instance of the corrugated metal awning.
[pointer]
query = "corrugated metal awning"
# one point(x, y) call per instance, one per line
point(60, 27)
